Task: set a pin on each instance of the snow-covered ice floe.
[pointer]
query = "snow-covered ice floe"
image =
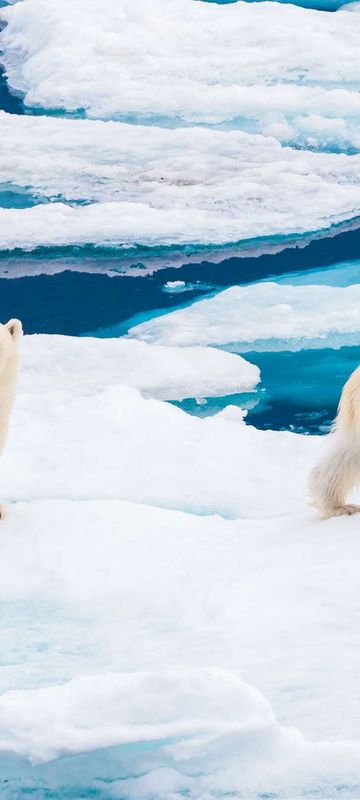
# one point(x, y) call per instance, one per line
point(91, 365)
point(155, 186)
point(162, 630)
point(184, 728)
point(261, 315)
point(138, 223)
point(188, 709)
point(283, 70)
point(78, 387)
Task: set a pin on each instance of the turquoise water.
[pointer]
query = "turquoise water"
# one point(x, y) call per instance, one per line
point(96, 291)
point(298, 391)
point(13, 196)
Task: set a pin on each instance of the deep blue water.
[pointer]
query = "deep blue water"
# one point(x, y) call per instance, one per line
point(8, 101)
point(299, 390)
point(77, 303)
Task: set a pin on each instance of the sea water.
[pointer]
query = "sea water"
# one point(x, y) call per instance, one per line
point(299, 390)
point(100, 292)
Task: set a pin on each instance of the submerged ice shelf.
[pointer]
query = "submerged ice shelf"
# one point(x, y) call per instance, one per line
point(304, 338)
point(299, 391)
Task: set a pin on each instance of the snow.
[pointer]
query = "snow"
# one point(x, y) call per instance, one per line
point(130, 708)
point(281, 69)
point(131, 223)
point(142, 465)
point(261, 313)
point(168, 373)
point(203, 717)
point(98, 161)
point(156, 186)
point(167, 598)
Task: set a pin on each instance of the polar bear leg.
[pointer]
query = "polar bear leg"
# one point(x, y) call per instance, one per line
point(347, 510)
point(332, 480)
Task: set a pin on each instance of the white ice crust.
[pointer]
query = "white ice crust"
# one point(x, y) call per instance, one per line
point(186, 563)
point(79, 386)
point(157, 186)
point(283, 70)
point(167, 373)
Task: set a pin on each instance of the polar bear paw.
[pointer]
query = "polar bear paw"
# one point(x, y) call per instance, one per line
point(346, 510)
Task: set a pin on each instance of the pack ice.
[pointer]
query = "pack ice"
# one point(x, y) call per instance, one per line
point(118, 184)
point(160, 576)
point(188, 178)
point(277, 69)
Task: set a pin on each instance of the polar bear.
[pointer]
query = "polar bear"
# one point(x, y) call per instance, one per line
point(339, 471)
point(10, 335)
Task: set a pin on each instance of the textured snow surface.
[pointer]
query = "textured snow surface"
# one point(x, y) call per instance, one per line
point(130, 708)
point(153, 185)
point(282, 69)
point(144, 445)
point(262, 312)
point(189, 620)
point(168, 373)
point(175, 620)
point(131, 223)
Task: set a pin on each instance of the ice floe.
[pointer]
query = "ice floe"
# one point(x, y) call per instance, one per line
point(124, 224)
point(141, 439)
point(87, 366)
point(97, 161)
point(281, 69)
point(158, 186)
point(150, 589)
point(166, 651)
point(261, 313)
point(202, 731)
point(191, 707)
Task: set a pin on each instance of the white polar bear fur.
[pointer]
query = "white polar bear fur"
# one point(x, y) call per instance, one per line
point(10, 335)
point(339, 471)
